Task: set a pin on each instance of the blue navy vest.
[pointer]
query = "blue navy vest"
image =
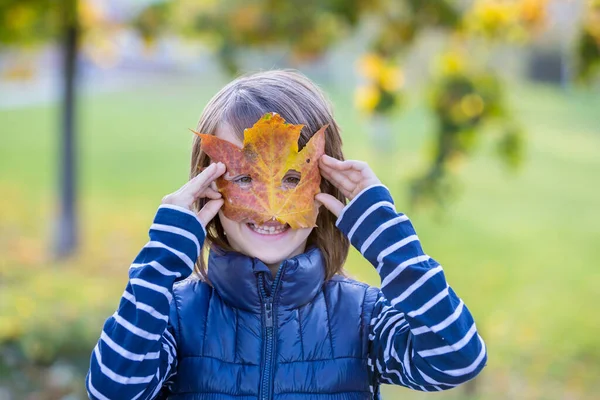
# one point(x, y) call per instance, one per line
point(251, 336)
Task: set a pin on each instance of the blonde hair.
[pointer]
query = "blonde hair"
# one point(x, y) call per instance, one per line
point(299, 101)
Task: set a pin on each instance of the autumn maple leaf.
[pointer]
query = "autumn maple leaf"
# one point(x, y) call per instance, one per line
point(269, 152)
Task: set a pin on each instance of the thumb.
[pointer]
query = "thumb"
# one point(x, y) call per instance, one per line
point(330, 203)
point(210, 209)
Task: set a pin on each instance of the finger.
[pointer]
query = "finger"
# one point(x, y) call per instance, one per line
point(211, 193)
point(210, 209)
point(325, 175)
point(339, 179)
point(351, 173)
point(318, 204)
point(205, 178)
point(342, 165)
point(330, 203)
point(195, 184)
point(356, 171)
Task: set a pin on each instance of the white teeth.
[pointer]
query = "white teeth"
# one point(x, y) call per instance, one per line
point(267, 230)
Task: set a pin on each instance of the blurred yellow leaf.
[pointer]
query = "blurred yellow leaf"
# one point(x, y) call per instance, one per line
point(533, 13)
point(91, 13)
point(472, 105)
point(391, 78)
point(19, 17)
point(457, 114)
point(451, 63)
point(9, 328)
point(455, 161)
point(371, 65)
point(367, 97)
point(247, 17)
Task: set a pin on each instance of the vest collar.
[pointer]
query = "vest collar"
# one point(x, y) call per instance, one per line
point(235, 278)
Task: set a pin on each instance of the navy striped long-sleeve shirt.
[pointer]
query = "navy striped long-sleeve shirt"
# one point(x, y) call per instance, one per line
point(137, 352)
point(422, 336)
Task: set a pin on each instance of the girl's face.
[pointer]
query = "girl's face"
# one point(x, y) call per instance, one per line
point(272, 242)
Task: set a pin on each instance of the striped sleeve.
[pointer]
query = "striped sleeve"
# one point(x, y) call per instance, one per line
point(422, 336)
point(137, 351)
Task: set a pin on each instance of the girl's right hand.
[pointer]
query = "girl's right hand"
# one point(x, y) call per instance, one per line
point(199, 187)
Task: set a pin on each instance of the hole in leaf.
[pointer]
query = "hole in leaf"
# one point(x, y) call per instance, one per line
point(243, 181)
point(291, 179)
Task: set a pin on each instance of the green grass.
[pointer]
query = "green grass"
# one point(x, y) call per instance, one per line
point(520, 249)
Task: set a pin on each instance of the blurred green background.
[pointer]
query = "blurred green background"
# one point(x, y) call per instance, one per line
point(489, 141)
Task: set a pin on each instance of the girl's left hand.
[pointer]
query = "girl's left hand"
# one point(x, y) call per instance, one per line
point(349, 176)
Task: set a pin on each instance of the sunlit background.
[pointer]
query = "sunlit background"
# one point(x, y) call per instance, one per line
point(482, 117)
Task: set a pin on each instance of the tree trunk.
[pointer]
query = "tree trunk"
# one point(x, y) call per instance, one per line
point(65, 240)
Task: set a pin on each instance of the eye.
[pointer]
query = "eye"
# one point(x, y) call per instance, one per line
point(291, 179)
point(243, 181)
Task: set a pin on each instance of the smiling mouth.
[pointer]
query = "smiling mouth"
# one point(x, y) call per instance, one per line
point(268, 229)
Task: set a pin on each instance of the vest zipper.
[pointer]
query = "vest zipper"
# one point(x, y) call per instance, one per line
point(269, 338)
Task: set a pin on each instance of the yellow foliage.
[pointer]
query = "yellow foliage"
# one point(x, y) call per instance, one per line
point(533, 12)
point(457, 114)
point(391, 78)
point(19, 17)
point(451, 63)
point(592, 19)
point(247, 17)
point(9, 328)
point(367, 97)
point(381, 74)
point(510, 19)
point(472, 105)
point(371, 66)
point(381, 71)
point(493, 15)
point(91, 13)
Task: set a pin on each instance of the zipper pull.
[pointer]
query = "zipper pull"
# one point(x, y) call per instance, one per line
point(269, 313)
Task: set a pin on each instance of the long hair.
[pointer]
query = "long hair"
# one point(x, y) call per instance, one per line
point(299, 101)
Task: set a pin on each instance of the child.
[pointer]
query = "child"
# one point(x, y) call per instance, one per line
point(273, 316)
